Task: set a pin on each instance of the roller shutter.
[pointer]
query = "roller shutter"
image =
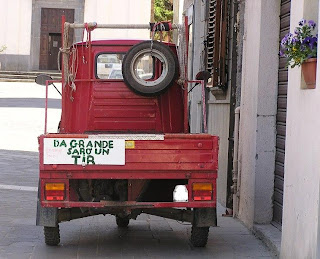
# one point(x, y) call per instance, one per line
point(281, 118)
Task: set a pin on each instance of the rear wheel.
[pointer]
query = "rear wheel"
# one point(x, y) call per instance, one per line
point(122, 222)
point(199, 236)
point(52, 235)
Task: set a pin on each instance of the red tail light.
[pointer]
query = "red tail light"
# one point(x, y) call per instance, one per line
point(55, 191)
point(202, 191)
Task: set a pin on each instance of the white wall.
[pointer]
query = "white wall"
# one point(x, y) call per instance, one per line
point(15, 20)
point(118, 12)
point(258, 110)
point(300, 230)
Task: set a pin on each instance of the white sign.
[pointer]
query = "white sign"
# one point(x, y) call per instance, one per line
point(78, 151)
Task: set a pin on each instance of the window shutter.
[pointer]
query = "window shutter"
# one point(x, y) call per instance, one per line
point(216, 41)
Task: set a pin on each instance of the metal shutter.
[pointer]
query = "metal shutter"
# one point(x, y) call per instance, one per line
point(281, 118)
point(217, 40)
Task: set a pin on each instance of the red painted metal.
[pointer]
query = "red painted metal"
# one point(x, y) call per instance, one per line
point(63, 98)
point(130, 204)
point(46, 110)
point(110, 107)
point(186, 110)
point(169, 155)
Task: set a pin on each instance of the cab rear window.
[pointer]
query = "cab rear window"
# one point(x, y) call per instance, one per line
point(108, 66)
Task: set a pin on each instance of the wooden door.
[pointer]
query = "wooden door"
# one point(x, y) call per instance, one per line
point(54, 45)
point(50, 36)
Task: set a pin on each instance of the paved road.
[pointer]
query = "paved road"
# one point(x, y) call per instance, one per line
point(22, 120)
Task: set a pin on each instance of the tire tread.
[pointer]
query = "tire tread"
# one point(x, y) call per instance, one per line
point(199, 236)
point(52, 235)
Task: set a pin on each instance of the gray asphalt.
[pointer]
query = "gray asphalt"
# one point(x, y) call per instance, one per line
point(22, 120)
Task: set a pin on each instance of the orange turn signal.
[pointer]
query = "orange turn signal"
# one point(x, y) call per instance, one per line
point(55, 186)
point(202, 187)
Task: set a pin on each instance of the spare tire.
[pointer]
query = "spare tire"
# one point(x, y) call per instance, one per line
point(160, 51)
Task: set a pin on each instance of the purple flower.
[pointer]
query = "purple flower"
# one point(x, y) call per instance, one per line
point(281, 53)
point(313, 42)
point(312, 24)
point(294, 40)
point(302, 22)
point(287, 39)
point(307, 40)
point(310, 41)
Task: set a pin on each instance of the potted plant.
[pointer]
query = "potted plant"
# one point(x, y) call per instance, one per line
point(300, 49)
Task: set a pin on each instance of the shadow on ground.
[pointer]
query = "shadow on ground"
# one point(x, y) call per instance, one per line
point(30, 103)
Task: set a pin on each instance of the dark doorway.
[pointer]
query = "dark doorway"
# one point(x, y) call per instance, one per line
point(50, 36)
point(54, 45)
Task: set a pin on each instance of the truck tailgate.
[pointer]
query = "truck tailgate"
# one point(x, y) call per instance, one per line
point(173, 156)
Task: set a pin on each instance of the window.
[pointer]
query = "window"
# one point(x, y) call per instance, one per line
point(109, 66)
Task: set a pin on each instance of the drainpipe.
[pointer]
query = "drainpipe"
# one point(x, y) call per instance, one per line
point(236, 171)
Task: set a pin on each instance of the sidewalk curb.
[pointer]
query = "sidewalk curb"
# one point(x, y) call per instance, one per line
point(270, 236)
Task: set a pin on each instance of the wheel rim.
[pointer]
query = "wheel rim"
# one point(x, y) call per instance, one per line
point(154, 53)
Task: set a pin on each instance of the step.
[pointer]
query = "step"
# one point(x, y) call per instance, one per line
point(30, 72)
point(16, 80)
point(26, 76)
point(17, 76)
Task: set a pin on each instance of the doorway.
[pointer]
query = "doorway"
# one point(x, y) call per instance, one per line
point(54, 45)
point(50, 36)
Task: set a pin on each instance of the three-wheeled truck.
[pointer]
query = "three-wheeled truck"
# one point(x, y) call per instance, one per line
point(123, 145)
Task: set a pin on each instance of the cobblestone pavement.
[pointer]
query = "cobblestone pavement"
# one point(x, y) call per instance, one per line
point(22, 120)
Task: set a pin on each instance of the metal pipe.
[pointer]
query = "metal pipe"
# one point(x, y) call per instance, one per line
point(186, 112)
point(46, 109)
point(114, 26)
point(235, 171)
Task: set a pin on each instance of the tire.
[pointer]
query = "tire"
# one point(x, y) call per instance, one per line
point(122, 222)
point(199, 236)
point(52, 235)
point(170, 67)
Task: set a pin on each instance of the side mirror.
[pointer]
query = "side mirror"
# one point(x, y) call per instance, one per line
point(203, 75)
point(41, 79)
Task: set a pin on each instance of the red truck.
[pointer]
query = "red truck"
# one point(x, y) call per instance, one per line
point(123, 146)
